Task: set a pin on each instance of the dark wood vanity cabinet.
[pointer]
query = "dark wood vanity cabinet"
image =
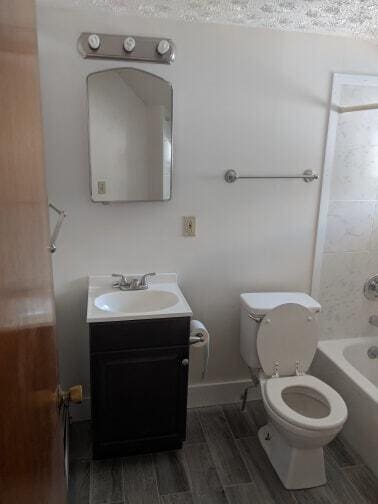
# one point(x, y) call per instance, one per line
point(139, 383)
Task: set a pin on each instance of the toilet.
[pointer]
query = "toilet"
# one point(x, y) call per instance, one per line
point(278, 340)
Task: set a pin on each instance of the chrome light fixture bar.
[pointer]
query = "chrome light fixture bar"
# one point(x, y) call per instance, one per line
point(307, 176)
point(126, 47)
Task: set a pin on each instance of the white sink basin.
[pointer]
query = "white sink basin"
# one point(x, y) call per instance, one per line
point(144, 301)
point(162, 299)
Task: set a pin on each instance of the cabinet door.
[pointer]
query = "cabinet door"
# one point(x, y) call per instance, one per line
point(139, 394)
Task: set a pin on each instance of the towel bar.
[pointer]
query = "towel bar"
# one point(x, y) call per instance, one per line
point(307, 176)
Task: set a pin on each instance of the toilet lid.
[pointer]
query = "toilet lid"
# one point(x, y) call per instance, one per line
point(287, 334)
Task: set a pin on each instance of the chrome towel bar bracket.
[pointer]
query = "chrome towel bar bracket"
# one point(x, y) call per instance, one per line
point(61, 216)
point(307, 176)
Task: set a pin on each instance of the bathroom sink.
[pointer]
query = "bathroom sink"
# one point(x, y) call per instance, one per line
point(162, 299)
point(150, 300)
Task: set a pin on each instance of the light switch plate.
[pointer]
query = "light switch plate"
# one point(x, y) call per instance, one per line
point(189, 226)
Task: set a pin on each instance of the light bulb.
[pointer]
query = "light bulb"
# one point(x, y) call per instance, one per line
point(94, 41)
point(129, 44)
point(163, 47)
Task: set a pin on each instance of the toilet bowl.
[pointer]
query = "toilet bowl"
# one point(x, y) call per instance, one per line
point(304, 413)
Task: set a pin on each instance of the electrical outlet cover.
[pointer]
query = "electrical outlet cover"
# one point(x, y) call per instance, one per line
point(189, 226)
point(101, 187)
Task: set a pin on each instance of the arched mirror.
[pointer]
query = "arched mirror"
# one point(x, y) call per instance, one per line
point(130, 136)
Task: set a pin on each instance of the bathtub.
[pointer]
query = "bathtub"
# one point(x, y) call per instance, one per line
point(345, 366)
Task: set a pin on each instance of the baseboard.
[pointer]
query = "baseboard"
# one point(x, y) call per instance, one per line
point(210, 394)
point(199, 395)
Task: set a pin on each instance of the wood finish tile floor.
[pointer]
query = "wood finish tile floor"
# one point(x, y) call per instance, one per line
point(222, 462)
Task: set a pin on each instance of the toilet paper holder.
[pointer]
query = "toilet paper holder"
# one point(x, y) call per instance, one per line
point(199, 338)
point(196, 339)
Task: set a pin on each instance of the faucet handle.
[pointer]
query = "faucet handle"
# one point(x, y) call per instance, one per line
point(122, 281)
point(143, 280)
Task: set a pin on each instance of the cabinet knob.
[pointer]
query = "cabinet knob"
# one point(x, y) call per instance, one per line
point(185, 362)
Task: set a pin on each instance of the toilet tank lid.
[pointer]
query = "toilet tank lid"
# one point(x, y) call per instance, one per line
point(262, 302)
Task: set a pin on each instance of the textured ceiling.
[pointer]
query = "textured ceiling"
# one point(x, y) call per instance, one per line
point(358, 18)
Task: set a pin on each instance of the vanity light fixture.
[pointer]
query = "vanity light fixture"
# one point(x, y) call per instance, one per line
point(129, 44)
point(163, 47)
point(94, 41)
point(126, 47)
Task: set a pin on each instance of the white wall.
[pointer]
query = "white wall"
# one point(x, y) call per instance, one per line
point(350, 253)
point(250, 99)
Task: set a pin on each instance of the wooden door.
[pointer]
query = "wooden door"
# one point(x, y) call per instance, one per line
point(31, 446)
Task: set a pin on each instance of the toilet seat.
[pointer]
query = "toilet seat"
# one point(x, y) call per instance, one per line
point(274, 388)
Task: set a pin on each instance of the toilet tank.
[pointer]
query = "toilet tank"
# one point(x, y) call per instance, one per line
point(259, 304)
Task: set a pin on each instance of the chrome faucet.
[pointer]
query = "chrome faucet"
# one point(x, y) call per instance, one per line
point(132, 283)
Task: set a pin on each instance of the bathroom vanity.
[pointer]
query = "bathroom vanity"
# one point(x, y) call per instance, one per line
point(139, 360)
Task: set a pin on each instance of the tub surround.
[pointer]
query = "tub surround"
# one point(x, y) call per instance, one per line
point(346, 256)
point(349, 216)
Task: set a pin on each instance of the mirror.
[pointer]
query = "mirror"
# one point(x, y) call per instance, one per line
point(130, 135)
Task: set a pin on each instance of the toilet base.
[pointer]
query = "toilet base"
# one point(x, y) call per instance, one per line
point(295, 467)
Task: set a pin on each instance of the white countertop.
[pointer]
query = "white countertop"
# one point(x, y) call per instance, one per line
point(103, 284)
